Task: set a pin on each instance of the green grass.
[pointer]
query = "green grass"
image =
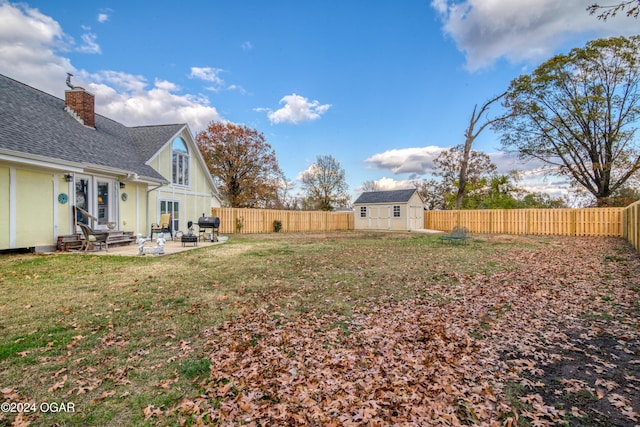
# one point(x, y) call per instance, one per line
point(116, 335)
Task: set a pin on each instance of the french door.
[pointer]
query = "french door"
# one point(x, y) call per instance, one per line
point(171, 207)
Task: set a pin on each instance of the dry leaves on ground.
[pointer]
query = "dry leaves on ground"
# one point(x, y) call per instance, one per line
point(553, 340)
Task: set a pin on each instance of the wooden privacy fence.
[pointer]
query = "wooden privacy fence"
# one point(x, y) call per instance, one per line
point(261, 220)
point(631, 224)
point(569, 222)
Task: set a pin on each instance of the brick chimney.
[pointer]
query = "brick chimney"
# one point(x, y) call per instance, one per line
point(82, 104)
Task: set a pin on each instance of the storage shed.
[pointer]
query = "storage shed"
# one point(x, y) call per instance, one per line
point(397, 210)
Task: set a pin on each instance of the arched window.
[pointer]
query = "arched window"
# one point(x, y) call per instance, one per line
point(180, 162)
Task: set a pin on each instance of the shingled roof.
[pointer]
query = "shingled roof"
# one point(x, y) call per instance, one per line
point(392, 196)
point(35, 123)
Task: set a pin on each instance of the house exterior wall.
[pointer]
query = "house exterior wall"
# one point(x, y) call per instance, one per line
point(193, 200)
point(63, 220)
point(4, 207)
point(35, 215)
point(133, 210)
point(34, 205)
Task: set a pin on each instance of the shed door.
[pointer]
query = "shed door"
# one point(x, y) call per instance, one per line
point(416, 217)
point(379, 217)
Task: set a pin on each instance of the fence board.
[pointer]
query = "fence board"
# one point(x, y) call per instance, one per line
point(631, 224)
point(563, 222)
point(618, 222)
point(261, 220)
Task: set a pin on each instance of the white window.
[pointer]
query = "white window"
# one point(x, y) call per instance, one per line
point(180, 162)
point(363, 211)
point(396, 211)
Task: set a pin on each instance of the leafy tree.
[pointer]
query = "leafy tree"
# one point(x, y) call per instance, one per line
point(540, 201)
point(433, 193)
point(632, 8)
point(577, 112)
point(625, 196)
point(479, 169)
point(242, 163)
point(442, 193)
point(499, 193)
point(324, 184)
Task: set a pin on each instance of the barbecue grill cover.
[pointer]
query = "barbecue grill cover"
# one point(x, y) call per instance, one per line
point(209, 221)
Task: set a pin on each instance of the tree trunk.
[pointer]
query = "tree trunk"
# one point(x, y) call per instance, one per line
point(464, 164)
point(470, 136)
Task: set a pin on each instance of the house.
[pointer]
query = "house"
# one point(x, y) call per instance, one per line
point(397, 210)
point(61, 163)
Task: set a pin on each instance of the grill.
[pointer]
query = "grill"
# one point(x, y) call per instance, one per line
point(210, 224)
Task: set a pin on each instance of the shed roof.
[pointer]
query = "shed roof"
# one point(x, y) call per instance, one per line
point(392, 196)
point(33, 122)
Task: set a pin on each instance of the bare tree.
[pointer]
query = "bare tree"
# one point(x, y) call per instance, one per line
point(470, 135)
point(632, 8)
point(371, 186)
point(325, 184)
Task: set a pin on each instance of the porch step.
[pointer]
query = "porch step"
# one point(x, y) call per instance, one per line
point(68, 242)
point(121, 238)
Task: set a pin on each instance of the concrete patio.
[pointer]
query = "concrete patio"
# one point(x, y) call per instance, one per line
point(170, 247)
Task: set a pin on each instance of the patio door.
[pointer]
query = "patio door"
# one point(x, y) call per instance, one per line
point(83, 200)
point(171, 207)
point(103, 201)
point(95, 196)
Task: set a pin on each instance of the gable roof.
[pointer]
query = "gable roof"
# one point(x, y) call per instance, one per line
point(34, 123)
point(392, 196)
point(151, 138)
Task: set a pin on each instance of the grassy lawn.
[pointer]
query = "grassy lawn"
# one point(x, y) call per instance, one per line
point(325, 329)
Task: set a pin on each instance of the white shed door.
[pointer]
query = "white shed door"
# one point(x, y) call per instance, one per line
point(379, 217)
point(416, 217)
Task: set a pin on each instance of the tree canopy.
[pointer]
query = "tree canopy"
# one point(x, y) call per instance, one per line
point(485, 188)
point(242, 163)
point(324, 184)
point(578, 112)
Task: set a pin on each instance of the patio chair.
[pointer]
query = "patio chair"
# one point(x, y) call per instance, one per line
point(163, 227)
point(93, 238)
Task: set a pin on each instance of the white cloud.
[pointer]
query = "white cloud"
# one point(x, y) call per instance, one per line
point(415, 161)
point(385, 183)
point(103, 17)
point(212, 75)
point(29, 46)
point(90, 45)
point(127, 99)
point(246, 46)
point(208, 74)
point(31, 51)
point(297, 109)
point(521, 31)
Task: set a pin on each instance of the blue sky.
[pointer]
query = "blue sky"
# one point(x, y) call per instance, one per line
point(383, 85)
